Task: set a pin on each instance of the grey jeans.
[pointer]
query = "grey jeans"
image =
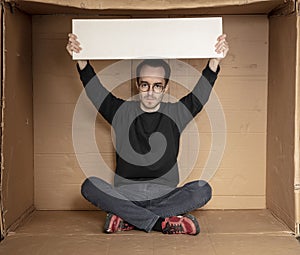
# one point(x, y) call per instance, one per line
point(142, 204)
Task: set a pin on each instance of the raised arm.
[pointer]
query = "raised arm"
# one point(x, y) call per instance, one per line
point(195, 100)
point(220, 46)
point(74, 46)
point(104, 101)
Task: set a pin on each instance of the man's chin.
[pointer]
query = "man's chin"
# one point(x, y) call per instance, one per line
point(150, 105)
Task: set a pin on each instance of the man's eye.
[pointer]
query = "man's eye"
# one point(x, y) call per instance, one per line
point(144, 85)
point(159, 86)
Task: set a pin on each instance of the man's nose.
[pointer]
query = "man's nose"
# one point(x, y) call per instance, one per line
point(150, 91)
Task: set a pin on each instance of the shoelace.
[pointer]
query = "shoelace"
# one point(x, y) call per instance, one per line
point(173, 228)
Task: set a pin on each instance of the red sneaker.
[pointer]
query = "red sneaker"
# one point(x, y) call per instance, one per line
point(186, 224)
point(113, 224)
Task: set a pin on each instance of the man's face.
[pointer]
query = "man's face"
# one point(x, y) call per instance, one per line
point(153, 77)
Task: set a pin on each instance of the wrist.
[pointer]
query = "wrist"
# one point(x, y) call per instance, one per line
point(213, 64)
point(82, 64)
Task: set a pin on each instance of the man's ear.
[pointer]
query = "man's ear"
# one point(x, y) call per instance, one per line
point(136, 84)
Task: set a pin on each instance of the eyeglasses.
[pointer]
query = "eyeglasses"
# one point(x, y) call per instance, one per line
point(156, 87)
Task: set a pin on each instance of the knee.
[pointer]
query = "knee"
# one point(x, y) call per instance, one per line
point(206, 189)
point(202, 190)
point(87, 186)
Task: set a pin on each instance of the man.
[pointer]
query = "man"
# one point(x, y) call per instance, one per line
point(145, 195)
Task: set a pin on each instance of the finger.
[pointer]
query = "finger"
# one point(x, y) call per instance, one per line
point(222, 41)
point(73, 48)
point(69, 50)
point(74, 41)
point(223, 36)
point(221, 48)
point(72, 36)
point(76, 49)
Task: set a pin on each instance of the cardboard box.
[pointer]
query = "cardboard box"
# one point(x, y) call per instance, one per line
point(257, 87)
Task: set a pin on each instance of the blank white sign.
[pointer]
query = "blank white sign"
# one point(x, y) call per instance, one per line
point(147, 38)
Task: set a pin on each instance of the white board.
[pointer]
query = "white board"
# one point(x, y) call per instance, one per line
point(168, 38)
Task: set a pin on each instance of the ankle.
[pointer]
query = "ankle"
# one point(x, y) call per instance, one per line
point(158, 224)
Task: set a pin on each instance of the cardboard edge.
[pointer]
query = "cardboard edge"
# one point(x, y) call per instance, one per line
point(147, 5)
point(297, 129)
point(12, 211)
point(156, 9)
point(288, 7)
point(2, 66)
point(281, 173)
point(281, 215)
point(21, 220)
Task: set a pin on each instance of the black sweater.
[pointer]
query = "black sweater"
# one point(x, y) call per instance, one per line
point(147, 144)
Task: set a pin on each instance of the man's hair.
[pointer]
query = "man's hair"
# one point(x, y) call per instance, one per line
point(154, 63)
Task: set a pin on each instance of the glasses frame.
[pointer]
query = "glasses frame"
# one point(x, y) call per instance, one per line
point(151, 86)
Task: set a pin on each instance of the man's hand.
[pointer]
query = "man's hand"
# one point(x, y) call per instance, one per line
point(74, 46)
point(220, 47)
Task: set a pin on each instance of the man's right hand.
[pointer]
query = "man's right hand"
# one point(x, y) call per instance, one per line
point(74, 46)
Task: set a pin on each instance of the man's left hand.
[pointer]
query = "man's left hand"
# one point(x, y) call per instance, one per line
point(221, 46)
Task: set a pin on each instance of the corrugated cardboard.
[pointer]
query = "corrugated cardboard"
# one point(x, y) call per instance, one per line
point(17, 119)
point(146, 5)
point(281, 117)
point(297, 137)
point(50, 87)
point(150, 7)
point(222, 233)
point(1, 78)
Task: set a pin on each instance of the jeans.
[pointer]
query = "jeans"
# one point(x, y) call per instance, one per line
point(143, 204)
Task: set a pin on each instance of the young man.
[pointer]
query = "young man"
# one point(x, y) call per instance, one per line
point(145, 194)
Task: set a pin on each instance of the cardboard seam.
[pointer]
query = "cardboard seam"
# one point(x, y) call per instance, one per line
point(279, 211)
point(103, 6)
point(297, 130)
point(286, 9)
point(2, 220)
point(21, 220)
point(189, 5)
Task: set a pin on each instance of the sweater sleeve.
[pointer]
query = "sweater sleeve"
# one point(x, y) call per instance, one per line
point(104, 101)
point(191, 104)
point(199, 96)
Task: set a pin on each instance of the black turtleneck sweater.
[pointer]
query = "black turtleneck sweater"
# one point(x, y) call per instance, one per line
point(147, 144)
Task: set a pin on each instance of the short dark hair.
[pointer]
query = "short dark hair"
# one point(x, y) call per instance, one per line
point(154, 63)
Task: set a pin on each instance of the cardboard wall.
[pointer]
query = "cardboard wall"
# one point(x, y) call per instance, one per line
point(297, 135)
point(1, 79)
point(281, 117)
point(149, 7)
point(17, 118)
point(241, 87)
point(145, 5)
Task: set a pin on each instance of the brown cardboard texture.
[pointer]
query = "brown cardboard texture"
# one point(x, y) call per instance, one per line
point(17, 118)
point(280, 148)
point(297, 138)
point(257, 88)
point(222, 232)
point(55, 97)
point(151, 7)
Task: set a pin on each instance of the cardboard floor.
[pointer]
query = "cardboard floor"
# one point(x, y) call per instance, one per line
point(222, 232)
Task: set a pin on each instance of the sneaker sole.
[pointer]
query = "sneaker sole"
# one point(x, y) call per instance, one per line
point(194, 220)
point(107, 222)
